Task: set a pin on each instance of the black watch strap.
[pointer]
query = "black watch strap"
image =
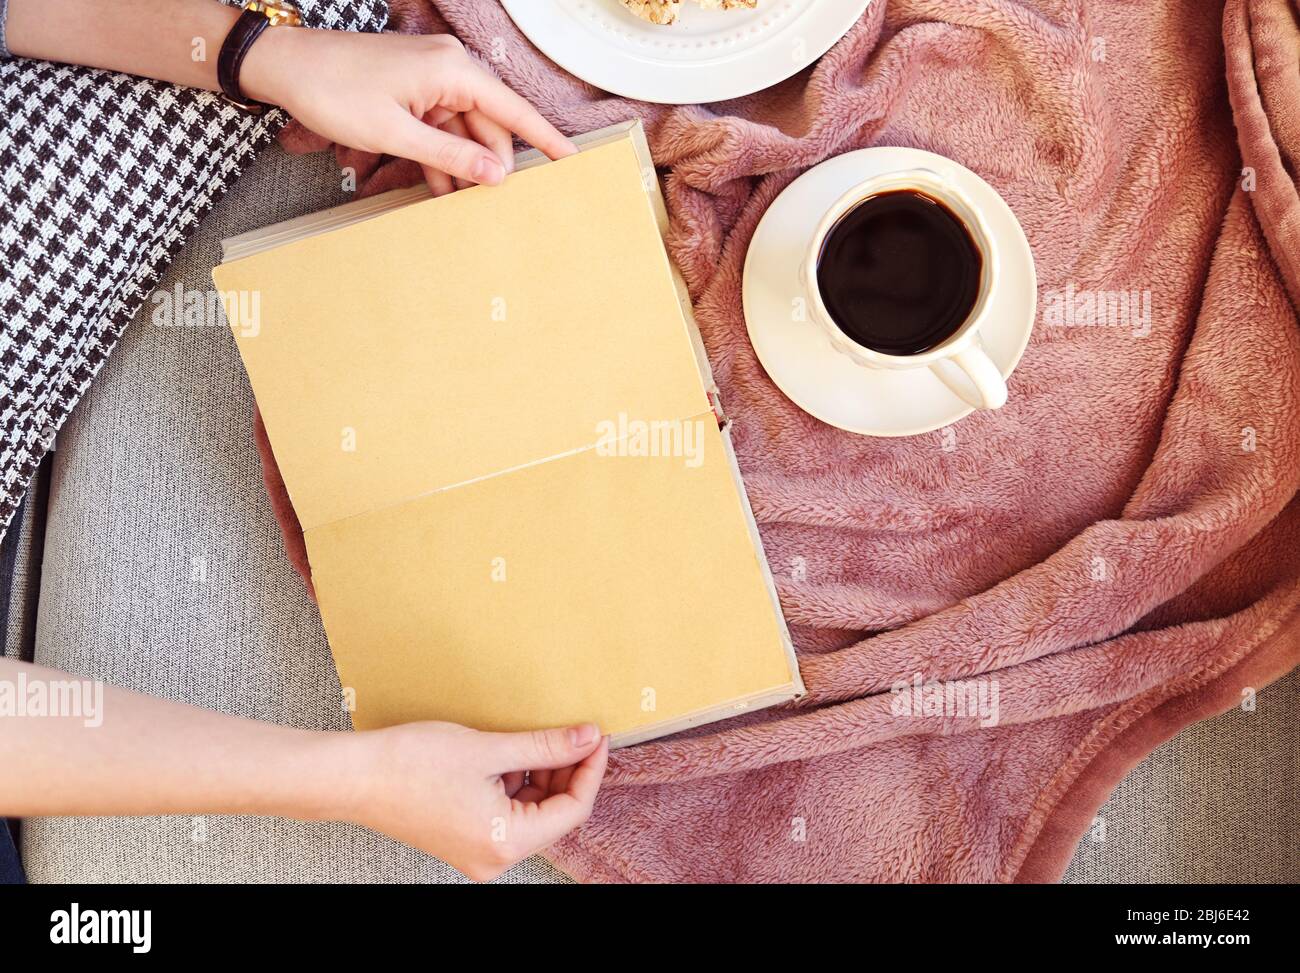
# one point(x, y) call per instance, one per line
point(248, 28)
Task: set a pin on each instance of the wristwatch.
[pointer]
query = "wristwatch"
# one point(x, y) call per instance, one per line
point(257, 16)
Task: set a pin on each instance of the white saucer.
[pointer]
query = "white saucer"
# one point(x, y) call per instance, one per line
point(706, 56)
point(797, 354)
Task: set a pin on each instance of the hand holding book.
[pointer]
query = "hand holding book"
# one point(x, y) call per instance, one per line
point(415, 97)
point(479, 801)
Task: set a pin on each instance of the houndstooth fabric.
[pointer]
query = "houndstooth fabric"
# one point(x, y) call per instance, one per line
point(102, 178)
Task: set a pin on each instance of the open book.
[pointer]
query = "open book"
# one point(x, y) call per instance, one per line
point(498, 427)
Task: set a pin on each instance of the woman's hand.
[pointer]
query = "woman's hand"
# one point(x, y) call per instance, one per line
point(479, 801)
point(416, 97)
point(453, 792)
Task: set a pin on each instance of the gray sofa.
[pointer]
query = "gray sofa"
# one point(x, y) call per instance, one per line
point(148, 557)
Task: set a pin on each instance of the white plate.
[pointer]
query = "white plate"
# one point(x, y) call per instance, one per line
point(798, 355)
point(708, 55)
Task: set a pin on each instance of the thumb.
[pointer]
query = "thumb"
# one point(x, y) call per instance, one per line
point(543, 749)
point(456, 156)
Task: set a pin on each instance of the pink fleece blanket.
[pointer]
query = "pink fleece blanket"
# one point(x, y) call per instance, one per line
point(1113, 555)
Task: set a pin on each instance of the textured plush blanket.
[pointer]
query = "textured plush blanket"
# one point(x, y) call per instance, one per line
point(994, 623)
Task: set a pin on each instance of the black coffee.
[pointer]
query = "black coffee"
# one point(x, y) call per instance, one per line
point(899, 273)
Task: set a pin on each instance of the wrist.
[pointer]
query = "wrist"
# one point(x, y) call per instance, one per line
point(267, 71)
point(324, 780)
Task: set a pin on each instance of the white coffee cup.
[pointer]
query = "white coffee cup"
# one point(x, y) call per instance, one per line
point(978, 381)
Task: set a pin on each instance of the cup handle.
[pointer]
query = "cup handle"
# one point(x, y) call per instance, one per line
point(989, 385)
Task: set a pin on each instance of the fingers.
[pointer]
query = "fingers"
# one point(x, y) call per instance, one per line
point(496, 137)
point(542, 749)
point(437, 115)
point(509, 110)
point(537, 825)
point(537, 789)
point(456, 126)
point(440, 184)
point(473, 125)
point(559, 782)
point(513, 782)
point(436, 149)
point(584, 779)
point(474, 145)
point(554, 800)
